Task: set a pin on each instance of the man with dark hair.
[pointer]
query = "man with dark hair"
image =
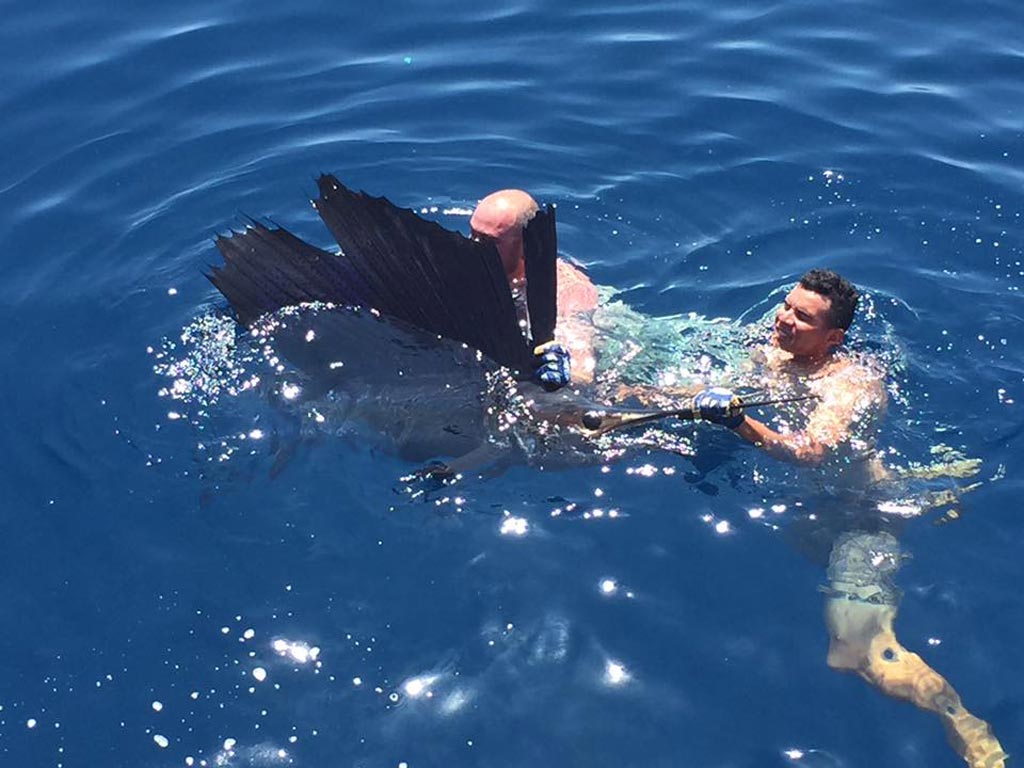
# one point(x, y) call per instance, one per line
point(810, 325)
point(838, 290)
point(861, 596)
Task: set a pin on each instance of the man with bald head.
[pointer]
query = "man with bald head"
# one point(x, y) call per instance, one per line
point(501, 217)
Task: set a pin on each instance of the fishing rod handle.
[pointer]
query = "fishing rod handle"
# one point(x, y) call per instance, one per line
point(692, 413)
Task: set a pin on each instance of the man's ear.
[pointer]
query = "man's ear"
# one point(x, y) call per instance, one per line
point(835, 337)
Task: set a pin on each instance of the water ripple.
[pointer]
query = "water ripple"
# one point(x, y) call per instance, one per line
point(701, 157)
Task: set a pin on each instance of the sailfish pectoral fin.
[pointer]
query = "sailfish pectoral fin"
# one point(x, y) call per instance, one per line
point(439, 474)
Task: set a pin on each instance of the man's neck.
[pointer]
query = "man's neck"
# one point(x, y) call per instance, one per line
point(807, 366)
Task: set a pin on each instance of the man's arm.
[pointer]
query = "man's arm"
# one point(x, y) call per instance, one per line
point(577, 299)
point(797, 447)
point(828, 426)
point(845, 397)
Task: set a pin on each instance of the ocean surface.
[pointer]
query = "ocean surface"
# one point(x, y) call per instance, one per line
point(187, 581)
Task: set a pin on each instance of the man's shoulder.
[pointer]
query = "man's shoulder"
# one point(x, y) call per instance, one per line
point(860, 366)
point(852, 374)
point(576, 292)
point(570, 271)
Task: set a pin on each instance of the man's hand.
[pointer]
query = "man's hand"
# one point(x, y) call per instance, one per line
point(552, 366)
point(719, 406)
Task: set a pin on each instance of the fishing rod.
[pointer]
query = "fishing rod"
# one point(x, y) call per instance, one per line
point(597, 422)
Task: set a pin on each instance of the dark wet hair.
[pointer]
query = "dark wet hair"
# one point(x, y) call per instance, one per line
point(838, 290)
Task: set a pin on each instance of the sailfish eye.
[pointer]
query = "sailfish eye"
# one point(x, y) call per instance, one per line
point(592, 419)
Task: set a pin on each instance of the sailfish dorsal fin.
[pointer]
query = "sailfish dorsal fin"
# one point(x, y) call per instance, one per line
point(406, 267)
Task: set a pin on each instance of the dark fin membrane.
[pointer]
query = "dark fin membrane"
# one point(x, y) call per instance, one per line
point(540, 245)
point(267, 269)
point(393, 261)
point(428, 276)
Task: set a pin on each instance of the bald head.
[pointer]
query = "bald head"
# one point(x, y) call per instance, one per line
point(502, 216)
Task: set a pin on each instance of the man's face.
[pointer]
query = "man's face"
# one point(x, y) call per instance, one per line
point(510, 249)
point(500, 217)
point(802, 326)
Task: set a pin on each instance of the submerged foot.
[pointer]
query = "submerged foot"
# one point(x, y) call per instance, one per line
point(973, 739)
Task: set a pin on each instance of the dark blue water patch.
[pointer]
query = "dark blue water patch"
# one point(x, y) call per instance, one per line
point(688, 149)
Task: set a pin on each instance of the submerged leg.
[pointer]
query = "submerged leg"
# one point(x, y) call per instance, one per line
point(860, 612)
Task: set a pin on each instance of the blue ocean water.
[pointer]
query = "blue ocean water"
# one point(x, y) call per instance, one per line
point(702, 155)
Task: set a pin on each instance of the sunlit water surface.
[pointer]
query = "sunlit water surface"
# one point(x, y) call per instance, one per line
point(203, 574)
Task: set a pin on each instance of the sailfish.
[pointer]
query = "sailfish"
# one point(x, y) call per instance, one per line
point(412, 329)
